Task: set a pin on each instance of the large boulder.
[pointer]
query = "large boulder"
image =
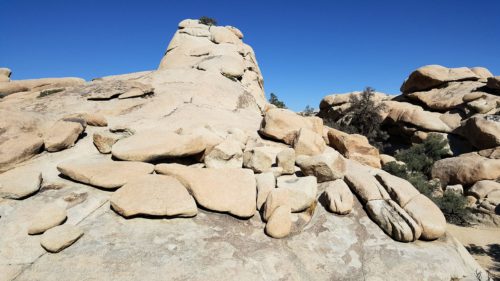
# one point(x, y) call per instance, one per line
point(466, 169)
point(60, 237)
point(431, 76)
point(400, 190)
point(286, 160)
point(448, 97)
point(224, 190)
point(261, 158)
point(482, 131)
point(283, 125)
point(18, 149)
point(325, 167)
point(155, 145)
point(308, 142)
point(20, 183)
point(266, 182)
point(104, 174)
point(339, 197)
point(428, 216)
point(154, 195)
point(62, 135)
point(393, 220)
point(12, 87)
point(276, 198)
point(481, 189)
point(355, 147)
point(365, 186)
point(301, 191)
point(482, 72)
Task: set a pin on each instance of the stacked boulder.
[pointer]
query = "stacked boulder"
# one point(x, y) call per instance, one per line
point(460, 104)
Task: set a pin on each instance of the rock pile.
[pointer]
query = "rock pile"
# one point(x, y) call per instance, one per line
point(196, 135)
point(460, 104)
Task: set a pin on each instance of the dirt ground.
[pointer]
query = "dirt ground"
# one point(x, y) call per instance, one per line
point(483, 244)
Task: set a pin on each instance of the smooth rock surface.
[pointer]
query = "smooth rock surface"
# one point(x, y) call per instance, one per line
point(279, 224)
point(105, 174)
point(62, 135)
point(428, 216)
point(60, 237)
point(19, 183)
point(224, 190)
point(153, 195)
point(301, 191)
point(365, 186)
point(266, 182)
point(339, 197)
point(47, 217)
point(227, 154)
point(325, 167)
point(400, 190)
point(308, 142)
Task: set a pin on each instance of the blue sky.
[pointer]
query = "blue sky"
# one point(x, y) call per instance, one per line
point(306, 49)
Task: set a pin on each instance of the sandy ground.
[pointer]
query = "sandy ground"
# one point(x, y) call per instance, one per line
point(483, 243)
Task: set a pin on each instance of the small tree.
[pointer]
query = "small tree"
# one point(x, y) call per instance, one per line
point(273, 99)
point(207, 21)
point(363, 117)
point(308, 111)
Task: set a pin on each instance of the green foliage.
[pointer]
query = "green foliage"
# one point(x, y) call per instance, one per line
point(207, 21)
point(363, 117)
point(420, 157)
point(308, 111)
point(49, 92)
point(273, 99)
point(419, 160)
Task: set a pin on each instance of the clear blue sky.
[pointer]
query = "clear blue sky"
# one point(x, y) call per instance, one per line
point(305, 49)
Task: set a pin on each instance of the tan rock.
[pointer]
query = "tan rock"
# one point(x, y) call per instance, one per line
point(236, 31)
point(386, 159)
point(482, 72)
point(482, 131)
point(229, 66)
point(47, 217)
point(153, 195)
point(430, 76)
point(6, 72)
point(456, 188)
point(155, 145)
point(466, 169)
point(276, 198)
point(365, 186)
point(355, 147)
point(227, 154)
point(308, 142)
point(12, 87)
point(224, 190)
point(260, 159)
point(482, 188)
point(220, 34)
point(18, 149)
point(266, 182)
point(325, 167)
point(62, 135)
point(279, 224)
point(283, 124)
point(19, 183)
point(339, 197)
point(286, 160)
point(105, 140)
point(393, 220)
point(8, 88)
point(105, 174)
point(92, 119)
point(494, 83)
point(60, 237)
point(301, 191)
point(448, 97)
point(345, 98)
point(400, 190)
point(428, 216)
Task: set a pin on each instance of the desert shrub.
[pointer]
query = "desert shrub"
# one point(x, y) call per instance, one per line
point(420, 157)
point(207, 21)
point(308, 111)
point(49, 92)
point(273, 99)
point(363, 117)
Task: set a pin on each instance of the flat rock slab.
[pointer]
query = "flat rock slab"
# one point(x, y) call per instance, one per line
point(225, 190)
point(62, 135)
point(214, 246)
point(154, 195)
point(105, 174)
point(60, 237)
point(18, 149)
point(19, 183)
point(155, 145)
point(49, 216)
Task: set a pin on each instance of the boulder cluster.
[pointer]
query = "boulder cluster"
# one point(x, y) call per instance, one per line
point(460, 104)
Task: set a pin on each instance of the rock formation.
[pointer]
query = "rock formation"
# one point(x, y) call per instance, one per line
point(195, 145)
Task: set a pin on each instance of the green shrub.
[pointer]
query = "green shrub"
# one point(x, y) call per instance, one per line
point(420, 157)
point(273, 99)
point(308, 111)
point(454, 207)
point(363, 117)
point(207, 21)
